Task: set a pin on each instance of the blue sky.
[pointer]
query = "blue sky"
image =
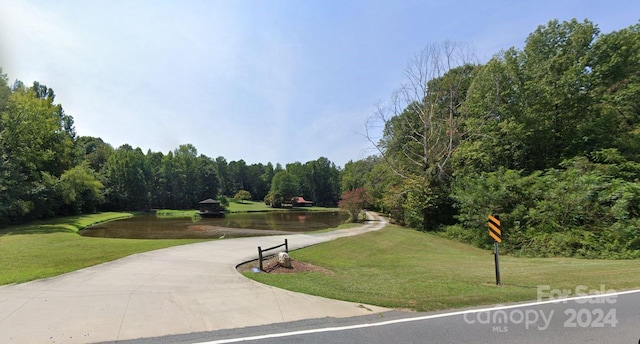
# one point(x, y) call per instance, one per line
point(263, 81)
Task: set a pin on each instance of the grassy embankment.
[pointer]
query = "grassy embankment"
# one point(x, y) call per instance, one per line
point(402, 268)
point(250, 206)
point(243, 207)
point(53, 247)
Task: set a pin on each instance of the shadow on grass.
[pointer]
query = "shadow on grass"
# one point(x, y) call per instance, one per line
point(67, 224)
point(41, 229)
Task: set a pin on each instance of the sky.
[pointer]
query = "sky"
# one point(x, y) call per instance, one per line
point(260, 80)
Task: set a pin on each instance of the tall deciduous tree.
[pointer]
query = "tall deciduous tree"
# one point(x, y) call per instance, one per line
point(356, 173)
point(565, 94)
point(555, 86)
point(36, 147)
point(615, 61)
point(94, 151)
point(206, 179)
point(284, 186)
point(126, 183)
point(237, 176)
point(423, 123)
point(323, 178)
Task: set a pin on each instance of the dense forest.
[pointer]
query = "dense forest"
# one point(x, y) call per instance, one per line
point(547, 136)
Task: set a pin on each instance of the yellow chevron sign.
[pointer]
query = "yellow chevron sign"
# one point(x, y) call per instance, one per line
point(494, 229)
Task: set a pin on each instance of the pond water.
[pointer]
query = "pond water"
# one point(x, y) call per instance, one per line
point(232, 225)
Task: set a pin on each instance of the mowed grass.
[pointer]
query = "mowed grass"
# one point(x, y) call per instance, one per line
point(49, 248)
point(405, 269)
point(251, 206)
point(241, 207)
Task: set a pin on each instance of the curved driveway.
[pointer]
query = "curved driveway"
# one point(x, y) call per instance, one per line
point(182, 289)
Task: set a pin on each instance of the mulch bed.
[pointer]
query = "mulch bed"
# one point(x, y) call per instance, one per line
point(271, 266)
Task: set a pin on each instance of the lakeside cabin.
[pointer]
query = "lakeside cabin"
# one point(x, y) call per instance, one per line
point(301, 202)
point(210, 208)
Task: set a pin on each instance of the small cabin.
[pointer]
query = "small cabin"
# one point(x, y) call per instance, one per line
point(210, 208)
point(301, 202)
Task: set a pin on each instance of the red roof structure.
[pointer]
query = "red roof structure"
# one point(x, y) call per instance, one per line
point(301, 202)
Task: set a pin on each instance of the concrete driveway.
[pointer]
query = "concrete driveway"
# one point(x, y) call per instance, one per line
point(183, 289)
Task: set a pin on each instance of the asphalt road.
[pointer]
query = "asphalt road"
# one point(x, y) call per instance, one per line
point(614, 318)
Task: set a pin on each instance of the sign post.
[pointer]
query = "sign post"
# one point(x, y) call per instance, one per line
point(495, 232)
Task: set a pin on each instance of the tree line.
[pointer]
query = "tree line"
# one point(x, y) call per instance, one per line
point(547, 136)
point(47, 170)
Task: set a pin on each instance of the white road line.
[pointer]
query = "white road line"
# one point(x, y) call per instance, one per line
point(426, 317)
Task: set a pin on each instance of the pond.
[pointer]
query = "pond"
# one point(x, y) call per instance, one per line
point(232, 225)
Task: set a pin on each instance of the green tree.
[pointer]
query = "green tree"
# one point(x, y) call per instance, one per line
point(242, 195)
point(258, 179)
point(496, 133)
point(188, 178)
point(356, 173)
point(36, 147)
point(81, 189)
point(207, 183)
point(323, 182)
point(126, 185)
point(237, 176)
point(284, 186)
point(155, 180)
point(264, 184)
point(615, 71)
point(303, 175)
point(94, 151)
point(532, 109)
point(556, 83)
point(423, 126)
point(222, 171)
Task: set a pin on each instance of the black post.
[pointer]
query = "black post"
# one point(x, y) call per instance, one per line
point(286, 246)
point(260, 257)
point(497, 258)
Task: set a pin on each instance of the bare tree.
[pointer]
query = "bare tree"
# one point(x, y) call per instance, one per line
point(421, 123)
point(421, 127)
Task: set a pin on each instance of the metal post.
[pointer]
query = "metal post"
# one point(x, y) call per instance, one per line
point(497, 257)
point(260, 257)
point(286, 246)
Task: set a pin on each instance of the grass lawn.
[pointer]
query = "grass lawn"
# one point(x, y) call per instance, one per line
point(401, 268)
point(49, 248)
point(251, 206)
point(244, 207)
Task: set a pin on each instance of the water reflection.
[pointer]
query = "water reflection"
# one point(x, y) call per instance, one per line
point(233, 225)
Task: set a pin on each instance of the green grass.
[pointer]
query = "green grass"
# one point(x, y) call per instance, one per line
point(240, 207)
point(175, 213)
point(251, 206)
point(402, 268)
point(49, 248)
